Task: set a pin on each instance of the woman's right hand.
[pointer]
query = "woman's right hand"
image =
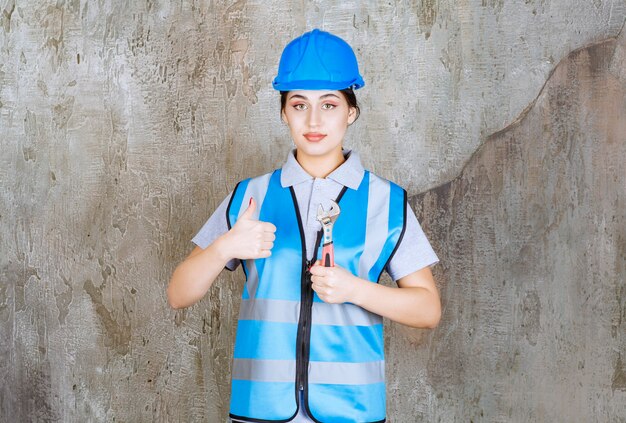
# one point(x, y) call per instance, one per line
point(249, 238)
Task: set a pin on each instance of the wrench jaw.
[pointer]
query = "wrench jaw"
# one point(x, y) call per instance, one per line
point(331, 214)
point(327, 219)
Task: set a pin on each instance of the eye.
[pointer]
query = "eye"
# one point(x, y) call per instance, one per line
point(299, 106)
point(330, 106)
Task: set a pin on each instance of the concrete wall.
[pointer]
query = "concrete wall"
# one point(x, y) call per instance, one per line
point(124, 124)
point(533, 241)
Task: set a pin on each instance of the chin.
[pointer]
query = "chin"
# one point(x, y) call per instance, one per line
point(317, 149)
point(315, 152)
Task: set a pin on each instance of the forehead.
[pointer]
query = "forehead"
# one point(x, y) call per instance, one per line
point(314, 94)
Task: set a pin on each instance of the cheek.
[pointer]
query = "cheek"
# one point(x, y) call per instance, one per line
point(292, 120)
point(295, 115)
point(340, 120)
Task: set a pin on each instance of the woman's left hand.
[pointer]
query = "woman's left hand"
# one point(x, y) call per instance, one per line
point(333, 284)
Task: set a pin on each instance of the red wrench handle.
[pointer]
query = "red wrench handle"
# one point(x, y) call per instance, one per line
point(328, 255)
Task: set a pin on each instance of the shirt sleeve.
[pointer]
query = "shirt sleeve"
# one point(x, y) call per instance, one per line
point(214, 227)
point(414, 252)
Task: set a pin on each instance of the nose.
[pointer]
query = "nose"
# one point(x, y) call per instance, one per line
point(314, 117)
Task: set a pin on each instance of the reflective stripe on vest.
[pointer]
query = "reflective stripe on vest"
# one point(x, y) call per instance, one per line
point(345, 381)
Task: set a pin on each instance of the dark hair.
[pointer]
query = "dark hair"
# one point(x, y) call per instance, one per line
point(348, 94)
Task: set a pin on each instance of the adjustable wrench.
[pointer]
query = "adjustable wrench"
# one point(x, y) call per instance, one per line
point(327, 219)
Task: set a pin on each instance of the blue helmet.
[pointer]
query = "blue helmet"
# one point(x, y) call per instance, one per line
point(317, 60)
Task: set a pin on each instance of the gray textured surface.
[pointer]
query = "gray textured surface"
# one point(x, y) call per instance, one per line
point(533, 237)
point(123, 124)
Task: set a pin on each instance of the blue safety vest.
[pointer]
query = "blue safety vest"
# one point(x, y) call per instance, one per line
point(287, 337)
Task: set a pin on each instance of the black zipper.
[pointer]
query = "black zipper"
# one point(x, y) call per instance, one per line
point(303, 286)
point(306, 307)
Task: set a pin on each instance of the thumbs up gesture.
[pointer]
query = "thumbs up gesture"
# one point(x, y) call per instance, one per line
point(249, 238)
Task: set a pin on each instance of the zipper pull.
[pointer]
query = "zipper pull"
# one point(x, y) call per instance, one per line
point(307, 271)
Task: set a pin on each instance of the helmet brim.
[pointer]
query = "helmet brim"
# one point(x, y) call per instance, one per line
point(317, 85)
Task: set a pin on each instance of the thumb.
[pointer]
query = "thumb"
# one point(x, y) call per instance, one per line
point(249, 213)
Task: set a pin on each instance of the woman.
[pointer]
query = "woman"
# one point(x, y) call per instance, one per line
point(309, 343)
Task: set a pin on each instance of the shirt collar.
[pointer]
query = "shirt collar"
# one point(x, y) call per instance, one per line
point(349, 173)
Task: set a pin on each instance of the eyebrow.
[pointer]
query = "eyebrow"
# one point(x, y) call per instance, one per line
point(324, 96)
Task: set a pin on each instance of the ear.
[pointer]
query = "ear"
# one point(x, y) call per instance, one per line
point(283, 117)
point(351, 115)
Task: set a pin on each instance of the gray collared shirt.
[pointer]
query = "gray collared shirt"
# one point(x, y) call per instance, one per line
point(413, 253)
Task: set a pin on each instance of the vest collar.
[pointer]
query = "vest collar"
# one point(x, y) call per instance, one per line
point(349, 173)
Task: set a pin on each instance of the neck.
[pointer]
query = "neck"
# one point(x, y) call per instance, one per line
point(320, 166)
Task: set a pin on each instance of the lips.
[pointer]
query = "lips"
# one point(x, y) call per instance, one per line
point(314, 136)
